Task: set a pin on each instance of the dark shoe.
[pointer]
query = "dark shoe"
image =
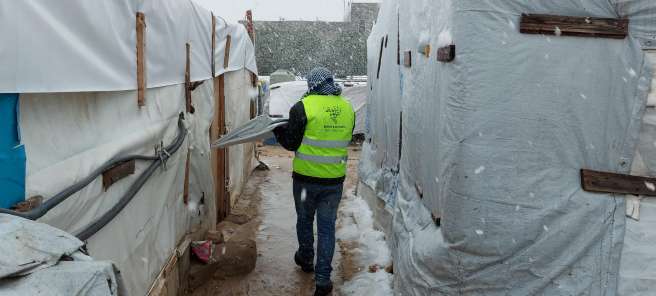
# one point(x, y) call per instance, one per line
point(324, 290)
point(305, 266)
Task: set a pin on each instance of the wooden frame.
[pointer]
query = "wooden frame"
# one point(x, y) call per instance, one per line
point(614, 28)
point(141, 59)
point(606, 182)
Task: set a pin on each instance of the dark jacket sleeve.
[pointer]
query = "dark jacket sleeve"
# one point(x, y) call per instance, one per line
point(290, 136)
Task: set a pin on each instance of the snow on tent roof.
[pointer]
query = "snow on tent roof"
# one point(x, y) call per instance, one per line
point(91, 45)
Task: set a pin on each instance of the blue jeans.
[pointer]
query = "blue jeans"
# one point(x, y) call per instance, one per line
point(323, 200)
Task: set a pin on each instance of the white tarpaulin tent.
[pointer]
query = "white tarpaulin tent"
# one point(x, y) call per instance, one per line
point(74, 67)
point(473, 166)
point(32, 263)
point(284, 95)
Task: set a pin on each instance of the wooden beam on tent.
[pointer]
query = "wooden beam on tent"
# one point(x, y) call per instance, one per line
point(446, 54)
point(220, 163)
point(185, 192)
point(398, 40)
point(188, 84)
point(116, 173)
point(141, 59)
point(615, 28)
point(249, 25)
point(226, 57)
point(606, 182)
point(213, 61)
point(380, 57)
point(407, 58)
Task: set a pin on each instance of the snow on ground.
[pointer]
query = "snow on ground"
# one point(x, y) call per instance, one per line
point(356, 225)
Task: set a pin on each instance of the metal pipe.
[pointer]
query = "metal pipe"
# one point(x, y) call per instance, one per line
point(101, 222)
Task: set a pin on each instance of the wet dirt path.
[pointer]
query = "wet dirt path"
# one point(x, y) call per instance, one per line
point(268, 202)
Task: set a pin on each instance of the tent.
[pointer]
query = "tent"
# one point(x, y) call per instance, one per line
point(477, 134)
point(150, 81)
point(284, 95)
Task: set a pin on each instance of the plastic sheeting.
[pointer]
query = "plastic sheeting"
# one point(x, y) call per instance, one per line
point(29, 246)
point(12, 153)
point(79, 45)
point(31, 255)
point(492, 143)
point(285, 95)
point(638, 266)
point(68, 278)
point(142, 237)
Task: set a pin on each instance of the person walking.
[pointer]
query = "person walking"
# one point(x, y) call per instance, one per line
point(319, 131)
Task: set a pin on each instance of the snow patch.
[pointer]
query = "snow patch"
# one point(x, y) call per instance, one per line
point(479, 170)
point(303, 195)
point(444, 38)
point(632, 72)
point(480, 232)
point(356, 224)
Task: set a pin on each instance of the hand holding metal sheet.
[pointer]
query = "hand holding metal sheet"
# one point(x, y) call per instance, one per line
point(257, 129)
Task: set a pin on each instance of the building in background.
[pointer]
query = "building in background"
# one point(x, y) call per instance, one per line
point(301, 45)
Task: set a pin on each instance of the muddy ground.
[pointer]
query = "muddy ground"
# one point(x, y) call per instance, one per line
point(267, 207)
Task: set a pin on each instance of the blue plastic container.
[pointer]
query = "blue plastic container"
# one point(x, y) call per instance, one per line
point(12, 153)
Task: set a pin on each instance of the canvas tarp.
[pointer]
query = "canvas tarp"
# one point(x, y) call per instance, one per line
point(73, 66)
point(156, 220)
point(78, 45)
point(492, 144)
point(31, 255)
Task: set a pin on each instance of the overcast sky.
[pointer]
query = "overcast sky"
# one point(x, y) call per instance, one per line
point(310, 10)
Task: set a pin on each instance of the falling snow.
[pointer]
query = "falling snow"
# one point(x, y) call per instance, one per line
point(479, 170)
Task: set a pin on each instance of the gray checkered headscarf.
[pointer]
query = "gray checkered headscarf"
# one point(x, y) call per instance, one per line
point(321, 82)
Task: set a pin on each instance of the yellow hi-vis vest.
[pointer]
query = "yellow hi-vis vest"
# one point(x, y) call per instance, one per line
point(323, 153)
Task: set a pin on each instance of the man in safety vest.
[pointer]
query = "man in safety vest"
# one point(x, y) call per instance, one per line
point(319, 131)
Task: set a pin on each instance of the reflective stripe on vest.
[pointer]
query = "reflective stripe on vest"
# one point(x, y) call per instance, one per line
point(326, 144)
point(323, 152)
point(322, 159)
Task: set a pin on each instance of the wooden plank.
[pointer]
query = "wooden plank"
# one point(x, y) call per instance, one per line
point(380, 56)
point(185, 192)
point(141, 59)
point(224, 202)
point(249, 25)
point(219, 156)
point(446, 54)
point(117, 172)
point(188, 84)
point(407, 58)
point(398, 39)
point(606, 182)
point(614, 28)
point(213, 60)
point(226, 58)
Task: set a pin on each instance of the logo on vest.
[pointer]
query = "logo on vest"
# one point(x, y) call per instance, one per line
point(334, 113)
